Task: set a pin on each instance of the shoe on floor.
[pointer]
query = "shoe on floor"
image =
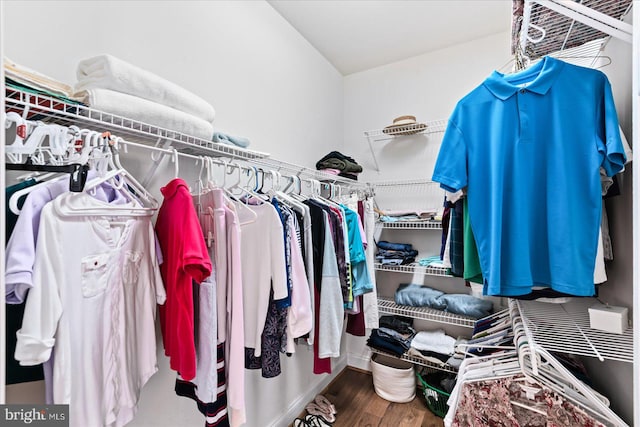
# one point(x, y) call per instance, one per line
point(314, 409)
point(316, 421)
point(300, 423)
point(325, 404)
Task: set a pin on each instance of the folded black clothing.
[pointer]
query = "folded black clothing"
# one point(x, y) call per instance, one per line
point(336, 155)
point(441, 357)
point(340, 164)
point(352, 176)
point(385, 253)
point(403, 325)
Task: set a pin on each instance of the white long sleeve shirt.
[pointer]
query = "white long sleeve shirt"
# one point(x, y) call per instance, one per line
point(95, 288)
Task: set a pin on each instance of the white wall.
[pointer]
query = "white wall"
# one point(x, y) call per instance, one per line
point(615, 379)
point(428, 87)
point(265, 81)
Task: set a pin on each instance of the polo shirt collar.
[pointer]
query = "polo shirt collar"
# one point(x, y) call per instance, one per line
point(172, 187)
point(544, 74)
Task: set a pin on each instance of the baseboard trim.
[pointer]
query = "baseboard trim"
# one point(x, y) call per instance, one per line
point(297, 406)
point(360, 362)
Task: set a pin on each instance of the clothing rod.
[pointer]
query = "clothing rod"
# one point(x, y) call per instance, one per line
point(231, 163)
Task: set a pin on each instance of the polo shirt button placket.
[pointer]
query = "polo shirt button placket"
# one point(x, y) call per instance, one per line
point(523, 112)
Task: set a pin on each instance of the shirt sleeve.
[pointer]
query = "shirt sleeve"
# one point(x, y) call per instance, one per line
point(609, 141)
point(451, 166)
point(21, 248)
point(43, 307)
point(278, 262)
point(300, 314)
point(155, 260)
point(331, 313)
point(195, 257)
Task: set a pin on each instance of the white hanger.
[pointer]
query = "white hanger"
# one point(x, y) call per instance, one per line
point(176, 163)
point(240, 205)
point(141, 191)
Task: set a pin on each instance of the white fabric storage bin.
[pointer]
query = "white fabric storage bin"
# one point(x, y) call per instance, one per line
point(393, 380)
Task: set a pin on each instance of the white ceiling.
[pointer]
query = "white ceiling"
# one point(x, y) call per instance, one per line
point(355, 35)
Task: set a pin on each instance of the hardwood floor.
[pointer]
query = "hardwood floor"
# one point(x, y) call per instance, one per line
point(358, 405)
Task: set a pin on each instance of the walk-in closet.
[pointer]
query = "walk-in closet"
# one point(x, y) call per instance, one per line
point(319, 213)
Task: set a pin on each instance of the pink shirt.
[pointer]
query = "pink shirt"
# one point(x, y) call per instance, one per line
point(185, 260)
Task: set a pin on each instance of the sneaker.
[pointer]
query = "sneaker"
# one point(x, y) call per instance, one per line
point(316, 421)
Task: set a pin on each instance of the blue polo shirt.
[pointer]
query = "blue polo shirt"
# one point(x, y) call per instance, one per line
point(528, 147)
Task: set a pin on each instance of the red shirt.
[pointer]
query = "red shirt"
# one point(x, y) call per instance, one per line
point(185, 261)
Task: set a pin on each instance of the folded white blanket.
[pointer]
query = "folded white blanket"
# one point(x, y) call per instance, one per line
point(436, 341)
point(147, 112)
point(108, 72)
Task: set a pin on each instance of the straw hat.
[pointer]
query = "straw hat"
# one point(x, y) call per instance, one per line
point(404, 125)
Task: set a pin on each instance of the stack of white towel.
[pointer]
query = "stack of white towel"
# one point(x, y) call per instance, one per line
point(112, 85)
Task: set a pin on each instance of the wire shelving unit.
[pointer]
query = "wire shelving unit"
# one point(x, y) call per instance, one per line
point(417, 361)
point(409, 131)
point(564, 328)
point(39, 107)
point(388, 306)
point(414, 268)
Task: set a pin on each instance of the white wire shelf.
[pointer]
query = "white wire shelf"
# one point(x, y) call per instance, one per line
point(49, 109)
point(419, 183)
point(388, 306)
point(408, 131)
point(552, 25)
point(426, 128)
point(416, 360)
point(414, 268)
point(564, 328)
point(411, 225)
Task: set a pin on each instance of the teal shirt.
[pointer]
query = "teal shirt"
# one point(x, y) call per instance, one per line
point(361, 283)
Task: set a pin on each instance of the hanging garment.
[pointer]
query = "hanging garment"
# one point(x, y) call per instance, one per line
point(185, 260)
point(21, 254)
point(95, 287)
point(15, 312)
point(370, 300)
point(320, 366)
point(331, 317)
point(214, 410)
point(360, 280)
point(284, 218)
point(563, 128)
point(263, 268)
point(304, 219)
point(224, 229)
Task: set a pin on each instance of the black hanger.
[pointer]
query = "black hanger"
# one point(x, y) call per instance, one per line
point(78, 172)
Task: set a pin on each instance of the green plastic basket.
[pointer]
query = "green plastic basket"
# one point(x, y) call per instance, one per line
point(435, 399)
